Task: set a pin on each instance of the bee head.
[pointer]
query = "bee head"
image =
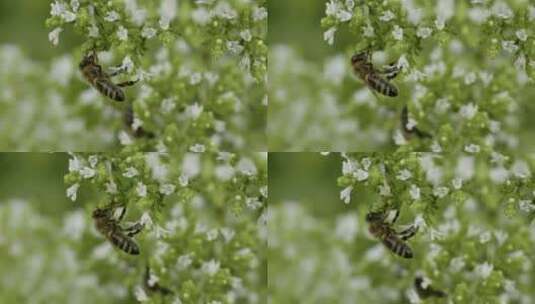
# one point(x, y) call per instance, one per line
point(359, 57)
point(87, 60)
point(374, 217)
point(98, 213)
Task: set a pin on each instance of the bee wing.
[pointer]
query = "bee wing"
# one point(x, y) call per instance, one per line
point(391, 217)
point(118, 213)
point(391, 71)
point(408, 232)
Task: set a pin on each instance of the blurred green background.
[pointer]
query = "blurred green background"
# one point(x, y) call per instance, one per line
point(309, 179)
point(22, 22)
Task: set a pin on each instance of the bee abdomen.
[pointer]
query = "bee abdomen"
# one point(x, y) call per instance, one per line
point(110, 90)
point(124, 243)
point(397, 246)
point(381, 85)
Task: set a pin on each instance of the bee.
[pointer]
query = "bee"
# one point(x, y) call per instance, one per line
point(151, 286)
point(425, 290)
point(413, 130)
point(380, 227)
point(120, 237)
point(129, 120)
point(363, 67)
point(101, 80)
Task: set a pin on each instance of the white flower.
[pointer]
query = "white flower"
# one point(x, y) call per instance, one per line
point(53, 36)
point(194, 111)
point(520, 62)
point(345, 194)
point(457, 183)
point(332, 8)
point(435, 147)
point(148, 32)
point(397, 33)
point(484, 237)
point(146, 220)
point(457, 264)
point(470, 78)
point(72, 191)
point(526, 205)
point(57, 8)
point(167, 189)
point(68, 16)
point(201, 16)
point(75, 4)
point(509, 46)
point(75, 164)
point(468, 111)
point(344, 15)
point(112, 16)
point(228, 234)
point(235, 47)
point(93, 31)
point(197, 148)
point(211, 235)
point(414, 192)
point(93, 160)
point(183, 180)
point(368, 31)
point(87, 172)
point(502, 10)
point(125, 139)
point(404, 175)
point(361, 175)
point(168, 105)
point(122, 33)
point(130, 172)
point(440, 192)
point(259, 13)
point(366, 163)
point(211, 267)
point(247, 167)
point(424, 32)
point(111, 187)
point(387, 16)
point(141, 189)
point(246, 35)
point(183, 262)
point(140, 294)
point(531, 13)
point(521, 169)
point(329, 35)
point(484, 270)
point(472, 148)
point(521, 34)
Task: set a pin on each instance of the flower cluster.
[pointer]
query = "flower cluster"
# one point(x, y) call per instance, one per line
point(200, 66)
point(204, 216)
point(465, 78)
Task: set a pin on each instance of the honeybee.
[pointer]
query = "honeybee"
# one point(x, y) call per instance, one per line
point(129, 120)
point(151, 286)
point(101, 80)
point(120, 237)
point(407, 133)
point(363, 67)
point(380, 227)
point(425, 290)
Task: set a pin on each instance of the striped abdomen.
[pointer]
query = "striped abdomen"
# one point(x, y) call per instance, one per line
point(107, 88)
point(381, 85)
point(390, 240)
point(397, 246)
point(123, 242)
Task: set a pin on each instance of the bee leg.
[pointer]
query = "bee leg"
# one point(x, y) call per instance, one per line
point(391, 71)
point(116, 71)
point(133, 230)
point(127, 83)
point(408, 233)
point(123, 212)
